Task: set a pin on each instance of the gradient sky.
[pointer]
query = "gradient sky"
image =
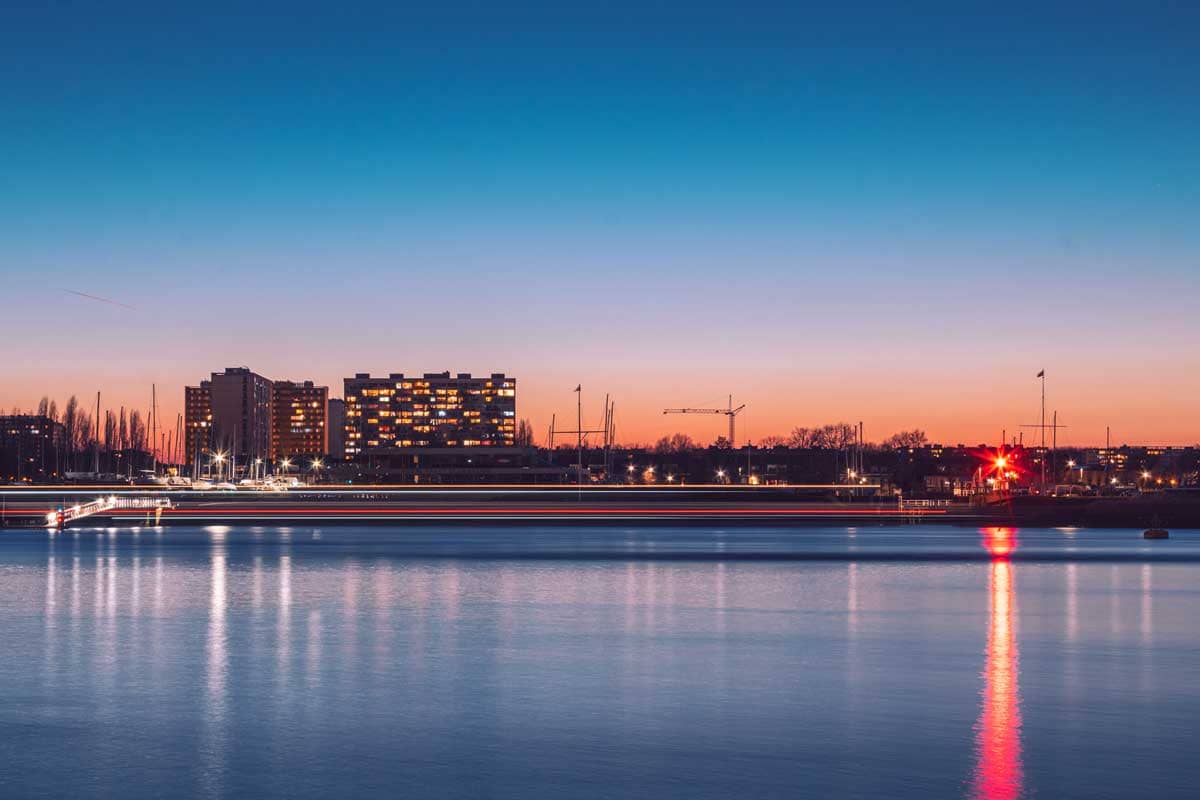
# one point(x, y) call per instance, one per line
point(889, 214)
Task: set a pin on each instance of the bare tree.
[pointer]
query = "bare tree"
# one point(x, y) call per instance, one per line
point(827, 437)
point(83, 431)
point(43, 409)
point(906, 439)
point(110, 437)
point(70, 425)
point(803, 438)
point(524, 433)
point(675, 443)
point(137, 431)
point(772, 441)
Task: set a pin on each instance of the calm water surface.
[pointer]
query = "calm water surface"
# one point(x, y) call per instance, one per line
point(476, 662)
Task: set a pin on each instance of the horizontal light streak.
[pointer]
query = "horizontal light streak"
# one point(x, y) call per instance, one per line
point(465, 488)
point(495, 512)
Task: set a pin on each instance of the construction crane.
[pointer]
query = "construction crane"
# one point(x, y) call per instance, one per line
point(729, 411)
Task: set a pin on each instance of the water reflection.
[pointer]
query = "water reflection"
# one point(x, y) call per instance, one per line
point(999, 771)
point(238, 666)
point(216, 647)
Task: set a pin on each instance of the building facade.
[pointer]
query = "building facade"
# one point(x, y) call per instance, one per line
point(299, 420)
point(335, 426)
point(32, 448)
point(237, 419)
point(435, 410)
point(197, 422)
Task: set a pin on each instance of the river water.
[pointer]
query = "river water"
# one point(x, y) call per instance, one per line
point(914, 661)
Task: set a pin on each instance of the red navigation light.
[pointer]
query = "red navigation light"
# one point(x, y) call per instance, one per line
point(1000, 463)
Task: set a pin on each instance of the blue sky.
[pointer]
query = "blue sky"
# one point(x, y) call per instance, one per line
point(808, 207)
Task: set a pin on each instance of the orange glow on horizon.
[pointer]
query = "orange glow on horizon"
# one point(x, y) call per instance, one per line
point(1157, 418)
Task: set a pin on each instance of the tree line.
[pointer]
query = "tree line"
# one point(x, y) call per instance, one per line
point(836, 436)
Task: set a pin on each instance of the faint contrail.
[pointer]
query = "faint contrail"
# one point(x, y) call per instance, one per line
point(100, 299)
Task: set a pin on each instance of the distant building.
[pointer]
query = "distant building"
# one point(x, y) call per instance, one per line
point(435, 410)
point(31, 448)
point(237, 419)
point(335, 427)
point(299, 420)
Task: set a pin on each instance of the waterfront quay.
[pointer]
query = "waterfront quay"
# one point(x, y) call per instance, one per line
point(60, 506)
point(615, 505)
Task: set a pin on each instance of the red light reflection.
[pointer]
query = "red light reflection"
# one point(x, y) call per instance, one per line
point(999, 771)
point(1000, 542)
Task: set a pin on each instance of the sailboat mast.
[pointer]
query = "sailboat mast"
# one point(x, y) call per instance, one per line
point(96, 459)
point(153, 430)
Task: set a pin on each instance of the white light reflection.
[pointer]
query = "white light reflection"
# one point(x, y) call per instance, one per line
point(216, 668)
point(1146, 620)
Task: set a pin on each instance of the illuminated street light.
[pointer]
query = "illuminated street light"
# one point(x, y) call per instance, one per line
point(1001, 462)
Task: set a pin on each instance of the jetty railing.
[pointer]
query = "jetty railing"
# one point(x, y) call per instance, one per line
point(60, 517)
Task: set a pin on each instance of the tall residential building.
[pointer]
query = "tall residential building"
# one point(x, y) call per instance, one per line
point(238, 415)
point(335, 427)
point(197, 422)
point(434, 410)
point(299, 420)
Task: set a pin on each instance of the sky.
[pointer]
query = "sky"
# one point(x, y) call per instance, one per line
point(872, 212)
